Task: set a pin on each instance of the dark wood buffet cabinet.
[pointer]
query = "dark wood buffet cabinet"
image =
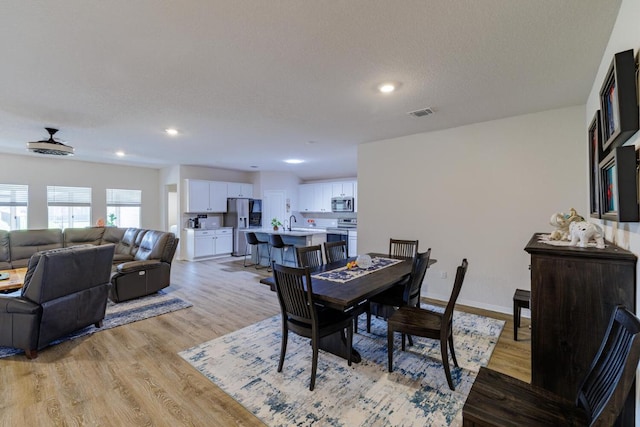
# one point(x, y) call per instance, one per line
point(573, 293)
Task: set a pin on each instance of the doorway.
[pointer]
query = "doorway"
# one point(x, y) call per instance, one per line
point(274, 207)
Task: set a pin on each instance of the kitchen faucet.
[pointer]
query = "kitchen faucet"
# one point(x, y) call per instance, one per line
point(294, 220)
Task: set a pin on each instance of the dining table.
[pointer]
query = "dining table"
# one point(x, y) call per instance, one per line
point(338, 287)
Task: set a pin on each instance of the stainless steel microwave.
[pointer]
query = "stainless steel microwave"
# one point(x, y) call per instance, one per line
point(342, 204)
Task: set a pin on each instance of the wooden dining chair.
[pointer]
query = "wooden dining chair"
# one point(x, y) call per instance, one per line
point(301, 315)
point(401, 248)
point(600, 398)
point(429, 324)
point(335, 251)
point(309, 256)
point(408, 293)
point(404, 248)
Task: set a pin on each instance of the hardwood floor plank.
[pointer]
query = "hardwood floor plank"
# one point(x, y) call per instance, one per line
point(132, 375)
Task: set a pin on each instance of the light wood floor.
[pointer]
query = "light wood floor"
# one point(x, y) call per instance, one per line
point(133, 376)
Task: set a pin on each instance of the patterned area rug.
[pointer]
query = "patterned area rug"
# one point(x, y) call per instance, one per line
point(121, 314)
point(244, 364)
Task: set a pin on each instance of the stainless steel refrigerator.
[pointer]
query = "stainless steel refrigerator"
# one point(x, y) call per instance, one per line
point(242, 215)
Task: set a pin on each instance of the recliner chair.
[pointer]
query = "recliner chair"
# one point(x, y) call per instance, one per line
point(150, 269)
point(64, 290)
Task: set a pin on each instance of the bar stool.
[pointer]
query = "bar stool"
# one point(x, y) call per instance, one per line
point(521, 299)
point(275, 241)
point(252, 240)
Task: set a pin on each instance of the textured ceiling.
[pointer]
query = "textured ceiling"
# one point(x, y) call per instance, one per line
point(252, 82)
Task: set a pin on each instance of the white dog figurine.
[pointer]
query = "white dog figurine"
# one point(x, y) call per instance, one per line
point(561, 222)
point(585, 231)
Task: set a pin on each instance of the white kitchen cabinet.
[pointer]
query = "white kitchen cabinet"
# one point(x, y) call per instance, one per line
point(342, 189)
point(239, 189)
point(323, 197)
point(224, 241)
point(204, 244)
point(306, 197)
point(316, 197)
point(352, 245)
point(206, 196)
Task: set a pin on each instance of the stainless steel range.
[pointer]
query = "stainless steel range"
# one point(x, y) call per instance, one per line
point(341, 232)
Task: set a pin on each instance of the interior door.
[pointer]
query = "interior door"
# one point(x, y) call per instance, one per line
point(274, 206)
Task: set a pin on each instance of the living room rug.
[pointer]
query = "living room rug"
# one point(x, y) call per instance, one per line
point(244, 364)
point(121, 314)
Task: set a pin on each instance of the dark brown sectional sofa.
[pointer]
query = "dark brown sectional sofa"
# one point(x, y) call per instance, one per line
point(141, 262)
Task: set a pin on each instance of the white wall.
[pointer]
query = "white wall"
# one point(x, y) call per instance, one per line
point(284, 181)
point(625, 35)
point(38, 172)
point(477, 191)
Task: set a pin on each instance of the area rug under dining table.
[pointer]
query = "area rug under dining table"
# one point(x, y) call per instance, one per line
point(244, 365)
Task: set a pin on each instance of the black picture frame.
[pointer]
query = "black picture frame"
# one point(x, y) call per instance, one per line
point(618, 101)
point(595, 156)
point(619, 185)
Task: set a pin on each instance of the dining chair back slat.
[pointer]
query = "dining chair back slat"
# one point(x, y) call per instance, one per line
point(301, 315)
point(335, 251)
point(309, 256)
point(403, 248)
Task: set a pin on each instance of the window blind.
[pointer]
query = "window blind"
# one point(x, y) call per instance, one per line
point(14, 195)
point(68, 196)
point(118, 197)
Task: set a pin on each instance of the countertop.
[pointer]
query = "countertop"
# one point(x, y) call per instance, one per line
point(206, 229)
point(294, 232)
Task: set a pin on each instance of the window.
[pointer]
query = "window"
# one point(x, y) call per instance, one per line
point(69, 206)
point(13, 206)
point(123, 207)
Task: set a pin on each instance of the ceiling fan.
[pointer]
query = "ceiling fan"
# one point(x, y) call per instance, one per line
point(50, 146)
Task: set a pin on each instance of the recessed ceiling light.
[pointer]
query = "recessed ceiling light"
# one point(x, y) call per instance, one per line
point(120, 153)
point(171, 131)
point(387, 87)
point(294, 161)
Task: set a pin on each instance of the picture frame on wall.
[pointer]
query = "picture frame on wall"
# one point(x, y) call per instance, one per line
point(595, 155)
point(618, 101)
point(619, 185)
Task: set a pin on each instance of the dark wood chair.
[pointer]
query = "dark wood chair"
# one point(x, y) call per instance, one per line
point(406, 294)
point(253, 241)
point(500, 400)
point(335, 251)
point(302, 316)
point(402, 248)
point(309, 256)
point(405, 248)
point(429, 324)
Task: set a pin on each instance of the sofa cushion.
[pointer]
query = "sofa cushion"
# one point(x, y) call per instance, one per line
point(25, 243)
point(152, 245)
point(5, 253)
point(114, 235)
point(81, 236)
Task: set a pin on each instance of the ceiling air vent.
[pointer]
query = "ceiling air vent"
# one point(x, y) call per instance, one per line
point(421, 113)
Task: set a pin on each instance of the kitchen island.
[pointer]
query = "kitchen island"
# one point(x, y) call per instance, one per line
point(296, 237)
